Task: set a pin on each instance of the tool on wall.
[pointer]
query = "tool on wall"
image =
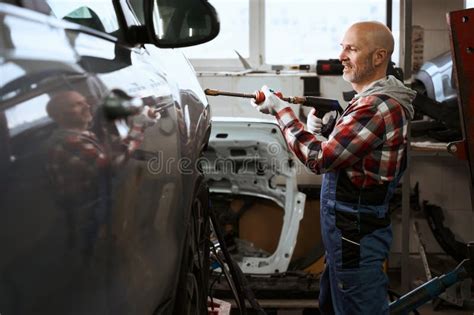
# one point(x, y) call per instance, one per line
point(321, 104)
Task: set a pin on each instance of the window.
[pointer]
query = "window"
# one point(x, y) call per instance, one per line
point(96, 14)
point(302, 31)
point(469, 4)
point(281, 32)
point(234, 17)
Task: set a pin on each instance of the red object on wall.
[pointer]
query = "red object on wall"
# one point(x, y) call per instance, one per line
point(461, 25)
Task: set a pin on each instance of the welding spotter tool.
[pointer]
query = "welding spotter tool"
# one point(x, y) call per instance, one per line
point(321, 104)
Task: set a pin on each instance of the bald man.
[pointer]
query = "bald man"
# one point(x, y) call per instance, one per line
point(362, 161)
point(70, 110)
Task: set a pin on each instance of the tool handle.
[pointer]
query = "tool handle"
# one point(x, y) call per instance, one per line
point(212, 92)
point(322, 105)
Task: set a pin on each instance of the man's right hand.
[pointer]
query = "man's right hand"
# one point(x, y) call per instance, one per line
point(315, 124)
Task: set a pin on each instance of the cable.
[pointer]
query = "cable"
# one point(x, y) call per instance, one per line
point(231, 270)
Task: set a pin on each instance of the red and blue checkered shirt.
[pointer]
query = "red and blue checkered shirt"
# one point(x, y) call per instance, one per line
point(77, 157)
point(368, 141)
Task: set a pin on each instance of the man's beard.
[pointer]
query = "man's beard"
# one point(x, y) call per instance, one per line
point(359, 74)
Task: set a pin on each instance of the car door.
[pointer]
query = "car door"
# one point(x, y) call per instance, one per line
point(107, 223)
point(151, 195)
point(54, 171)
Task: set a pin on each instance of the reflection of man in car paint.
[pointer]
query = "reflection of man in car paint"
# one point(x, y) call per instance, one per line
point(80, 167)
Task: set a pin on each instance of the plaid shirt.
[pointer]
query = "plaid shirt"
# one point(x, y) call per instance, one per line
point(368, 141)
point(77, 159)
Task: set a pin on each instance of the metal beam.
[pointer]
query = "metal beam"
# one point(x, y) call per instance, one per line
point(461, 26)
point(406, 8)
point(388, 13)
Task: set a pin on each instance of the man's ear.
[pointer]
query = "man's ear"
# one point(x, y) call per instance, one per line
point(379, 57)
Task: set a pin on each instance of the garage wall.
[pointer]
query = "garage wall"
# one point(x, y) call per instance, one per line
point(444, 181)
point(431, 16)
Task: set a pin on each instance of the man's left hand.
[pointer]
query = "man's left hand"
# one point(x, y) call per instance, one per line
point(272, 103)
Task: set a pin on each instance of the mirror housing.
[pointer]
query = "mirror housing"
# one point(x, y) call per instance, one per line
point(174, 24)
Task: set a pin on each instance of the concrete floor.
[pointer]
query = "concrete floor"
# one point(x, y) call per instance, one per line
point(295, 307)
point(426, 309)
point(394, 276)
point(440, 264)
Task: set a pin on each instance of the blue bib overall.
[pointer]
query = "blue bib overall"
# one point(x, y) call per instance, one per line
point(356, 231)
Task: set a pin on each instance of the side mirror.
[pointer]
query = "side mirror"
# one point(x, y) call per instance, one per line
point(173, 24)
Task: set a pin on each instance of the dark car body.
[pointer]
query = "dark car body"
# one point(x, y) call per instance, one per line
point(103, 219)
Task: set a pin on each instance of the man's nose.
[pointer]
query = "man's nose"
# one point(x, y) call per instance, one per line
point(342, 55)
